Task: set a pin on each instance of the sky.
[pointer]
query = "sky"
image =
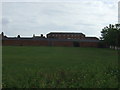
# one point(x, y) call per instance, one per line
point(28, 17)
point(119, 12)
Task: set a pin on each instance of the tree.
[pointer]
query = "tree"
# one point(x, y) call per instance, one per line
point(18, 36)
point(111, 35)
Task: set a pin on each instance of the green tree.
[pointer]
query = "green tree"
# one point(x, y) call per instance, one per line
point(111, 35)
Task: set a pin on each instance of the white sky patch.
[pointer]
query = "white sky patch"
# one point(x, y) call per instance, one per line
point(28, 18)
point(0, 16)
point(119, 12)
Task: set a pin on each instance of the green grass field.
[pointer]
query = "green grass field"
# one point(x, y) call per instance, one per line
point(59, 67)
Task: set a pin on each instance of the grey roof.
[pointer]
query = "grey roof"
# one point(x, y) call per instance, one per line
point(64, 33)
point(91, 38)
point(52, 39)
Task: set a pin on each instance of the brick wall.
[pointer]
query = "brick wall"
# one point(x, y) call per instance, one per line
point(24, 43)
point(62, 43)
point(8, 42)
point(88, 44)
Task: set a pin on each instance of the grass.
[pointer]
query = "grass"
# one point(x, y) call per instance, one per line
point(59, 67)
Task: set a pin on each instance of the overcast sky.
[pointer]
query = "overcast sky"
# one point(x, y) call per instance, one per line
point(28, 17)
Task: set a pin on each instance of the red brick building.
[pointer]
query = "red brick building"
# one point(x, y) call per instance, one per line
point(53, 39)
point(61, 35)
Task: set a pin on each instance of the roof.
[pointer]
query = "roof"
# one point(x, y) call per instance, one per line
point(51, 39)
point(91, 38)
point(64, 33)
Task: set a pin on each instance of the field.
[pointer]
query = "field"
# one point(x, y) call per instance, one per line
point(59, 67)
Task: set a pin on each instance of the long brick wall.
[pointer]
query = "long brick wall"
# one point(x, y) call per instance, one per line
point(47, 42)
point(24, 43)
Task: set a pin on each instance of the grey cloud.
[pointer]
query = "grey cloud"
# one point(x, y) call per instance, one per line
point(5, 21)
point(36, 18)
point(53, 12)
point(119, 12)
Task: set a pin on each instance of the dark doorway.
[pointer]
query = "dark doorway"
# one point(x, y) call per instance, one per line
point(76, 44)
